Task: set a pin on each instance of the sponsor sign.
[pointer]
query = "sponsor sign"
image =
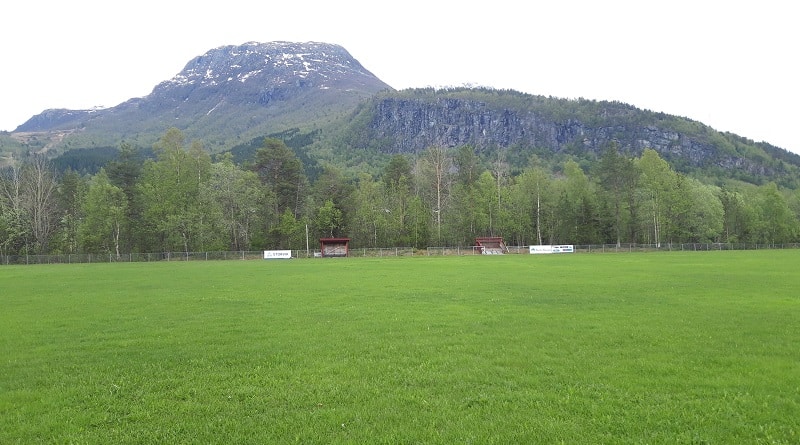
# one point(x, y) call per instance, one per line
point(563, 248)
point(277, 254)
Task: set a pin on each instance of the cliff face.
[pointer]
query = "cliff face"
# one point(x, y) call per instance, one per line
point(407, 125)
point(417, 124)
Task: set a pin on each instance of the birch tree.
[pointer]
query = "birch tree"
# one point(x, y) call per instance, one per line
point(39, 185)
point(433, 172)
point(104, 210)
point(777, 222)
point(237, 198)
point(658, 186)
point(369, 223)
point(14, 230)
point(534, 205)
point(170, 189)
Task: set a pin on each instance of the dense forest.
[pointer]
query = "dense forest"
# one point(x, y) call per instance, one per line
point(179, 198)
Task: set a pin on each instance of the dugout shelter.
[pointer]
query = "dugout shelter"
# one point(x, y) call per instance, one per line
point(334, 247)
point(491, 245)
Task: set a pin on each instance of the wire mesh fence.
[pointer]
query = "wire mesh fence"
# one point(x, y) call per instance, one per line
point(369, 253)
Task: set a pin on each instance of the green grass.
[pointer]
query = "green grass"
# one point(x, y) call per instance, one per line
point(587, 348)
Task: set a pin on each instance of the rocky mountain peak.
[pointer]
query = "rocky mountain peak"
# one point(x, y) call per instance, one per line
point(261, 80)
point(274, 65)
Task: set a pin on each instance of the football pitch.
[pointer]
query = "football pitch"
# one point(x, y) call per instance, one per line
point(682, 347)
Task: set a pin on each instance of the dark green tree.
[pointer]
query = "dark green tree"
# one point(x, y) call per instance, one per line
point(398, 192)
point(125, 172)
point(70, 194)
point(739, 217)
point(334, 185)
point(397, 168)
point(282, 172)
point(467, 165)
point(617, 176)
point(577, 208)
point(466, 211)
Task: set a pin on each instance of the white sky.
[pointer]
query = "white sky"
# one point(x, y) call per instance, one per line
point(730, 65)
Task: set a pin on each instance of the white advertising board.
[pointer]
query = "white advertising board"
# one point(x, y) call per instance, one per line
point(563, 248)
point(277, 254)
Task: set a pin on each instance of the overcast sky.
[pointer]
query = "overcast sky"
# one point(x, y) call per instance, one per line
point(730, 65)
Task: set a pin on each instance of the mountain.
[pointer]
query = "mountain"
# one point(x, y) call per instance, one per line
point(518, 125)
point(318, 93)
point(227, 95)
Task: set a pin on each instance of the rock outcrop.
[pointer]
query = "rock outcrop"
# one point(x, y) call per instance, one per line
point(453, 118)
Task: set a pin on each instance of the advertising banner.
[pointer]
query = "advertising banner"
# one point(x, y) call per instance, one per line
point(277, 254)
point(563, 248)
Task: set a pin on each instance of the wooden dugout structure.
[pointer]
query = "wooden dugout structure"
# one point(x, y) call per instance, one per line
point(334, 247)
point(491, 245)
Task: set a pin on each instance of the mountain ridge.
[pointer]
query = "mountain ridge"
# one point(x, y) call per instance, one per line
point(519, 124)
point(253, 88)
point(234, 93)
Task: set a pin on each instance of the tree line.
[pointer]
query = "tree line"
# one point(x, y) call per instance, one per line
point(183, 200)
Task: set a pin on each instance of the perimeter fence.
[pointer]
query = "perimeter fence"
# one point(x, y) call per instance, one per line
point(621, 248)
point(368, 252)
point(189, 256)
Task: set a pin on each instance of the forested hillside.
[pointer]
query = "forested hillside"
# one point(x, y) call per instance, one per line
point(516, 125)
point(183, 199)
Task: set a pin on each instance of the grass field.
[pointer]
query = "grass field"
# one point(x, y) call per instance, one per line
point(695, 347)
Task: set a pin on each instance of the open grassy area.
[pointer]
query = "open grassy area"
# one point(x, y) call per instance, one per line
point(695, 347)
